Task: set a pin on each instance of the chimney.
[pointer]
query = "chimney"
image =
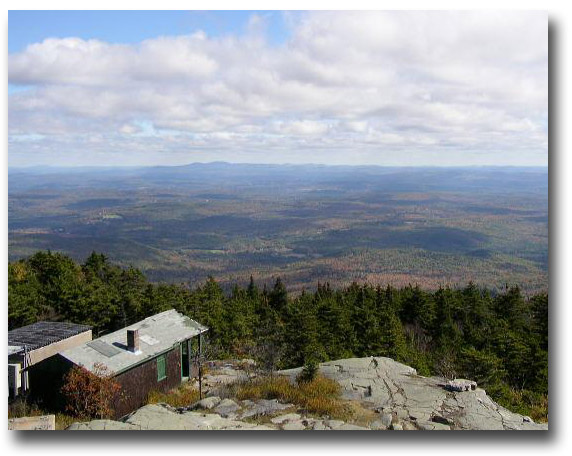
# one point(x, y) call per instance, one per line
point(133, 340)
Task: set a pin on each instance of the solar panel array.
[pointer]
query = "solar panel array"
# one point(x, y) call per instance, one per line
point(44, 333)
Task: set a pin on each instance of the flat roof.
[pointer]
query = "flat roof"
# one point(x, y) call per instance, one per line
point(157, 334)
point(42, 333)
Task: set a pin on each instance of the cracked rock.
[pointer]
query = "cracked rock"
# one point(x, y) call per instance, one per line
point(385, 385)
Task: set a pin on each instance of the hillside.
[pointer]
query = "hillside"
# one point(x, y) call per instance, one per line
point(390, 396)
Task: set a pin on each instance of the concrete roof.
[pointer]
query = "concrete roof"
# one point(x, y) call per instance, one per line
point(42, 333)
point(157, 334)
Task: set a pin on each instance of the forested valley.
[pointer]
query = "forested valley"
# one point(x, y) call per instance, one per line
point(500, 340)
point(306, 224)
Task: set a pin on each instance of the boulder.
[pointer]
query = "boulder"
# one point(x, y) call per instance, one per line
point(386, 420)
point(461, 384)
point(206, 403)
point(227, 408)
point(265, 407)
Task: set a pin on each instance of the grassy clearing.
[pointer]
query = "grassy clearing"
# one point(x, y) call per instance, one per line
point(178, 397)
point(320, 397)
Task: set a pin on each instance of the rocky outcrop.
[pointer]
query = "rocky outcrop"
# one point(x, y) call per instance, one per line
point(163, 417)
point(394, 395)
point(407, 400)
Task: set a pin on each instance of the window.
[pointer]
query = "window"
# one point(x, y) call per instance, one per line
point(194, 346)
point(161, 368)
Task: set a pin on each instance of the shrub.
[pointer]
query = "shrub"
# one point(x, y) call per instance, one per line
point(308, 372)
point(90, 394)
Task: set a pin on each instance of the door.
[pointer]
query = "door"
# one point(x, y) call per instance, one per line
point(185, 359)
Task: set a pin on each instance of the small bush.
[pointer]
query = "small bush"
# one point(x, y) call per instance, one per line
point(90, 394)
point(308, 372)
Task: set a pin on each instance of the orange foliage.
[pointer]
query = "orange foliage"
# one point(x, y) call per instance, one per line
point(90, 394)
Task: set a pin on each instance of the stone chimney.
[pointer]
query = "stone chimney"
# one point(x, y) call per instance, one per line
point(133, 340)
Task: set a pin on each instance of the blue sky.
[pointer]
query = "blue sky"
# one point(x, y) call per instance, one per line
point(27, 27)
point(174, 87)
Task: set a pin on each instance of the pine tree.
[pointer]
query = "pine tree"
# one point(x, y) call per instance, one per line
point(278, 297)
point(392, 337)
point(211, 307)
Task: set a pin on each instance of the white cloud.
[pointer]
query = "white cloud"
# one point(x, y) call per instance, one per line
point(301, 127)
point(366, 83)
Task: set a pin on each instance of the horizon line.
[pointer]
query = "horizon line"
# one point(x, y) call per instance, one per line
point(222, 162)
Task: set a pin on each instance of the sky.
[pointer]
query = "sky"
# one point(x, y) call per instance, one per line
point(175, 87)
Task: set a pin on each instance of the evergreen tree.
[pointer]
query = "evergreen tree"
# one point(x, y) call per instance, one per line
point(252, 291)
point(483, 366)
point(539, 311)
point(211, 307)
point(510, 306)
point(392, 340)
point(278, 297)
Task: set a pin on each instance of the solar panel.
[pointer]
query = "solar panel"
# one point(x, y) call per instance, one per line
point(103, 348)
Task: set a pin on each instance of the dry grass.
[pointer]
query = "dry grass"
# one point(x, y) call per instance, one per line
point(318, 397)
point(20, 408)
point(360, 415)
point(539, 412)
point(178, 397)
point(64, 421)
